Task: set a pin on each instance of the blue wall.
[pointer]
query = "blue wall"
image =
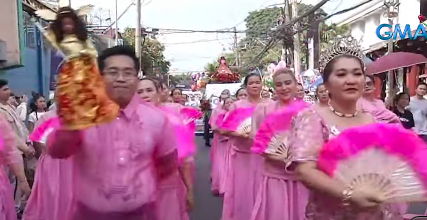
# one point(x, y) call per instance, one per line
point(34, 75)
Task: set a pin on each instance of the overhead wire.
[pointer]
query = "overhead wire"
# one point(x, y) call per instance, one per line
point(274, 39)
point(194, 42)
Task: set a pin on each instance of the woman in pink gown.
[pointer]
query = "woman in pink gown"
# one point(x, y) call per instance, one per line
point(280, 195)
point(369, 104)
point(52, 196)
point(175, 194)
point(10, 158)
point(219, 150)
point(330, 199)
point(217, 112)
point(243, 170)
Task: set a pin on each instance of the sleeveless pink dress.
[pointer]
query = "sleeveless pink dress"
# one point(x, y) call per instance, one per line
point(171, 194)
point(52, 194)
point(280, 195)
point(219, 152)
point(243, 175)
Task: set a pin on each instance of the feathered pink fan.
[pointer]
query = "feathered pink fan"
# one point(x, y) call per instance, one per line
point(219, 120)
point(238, 120)
point(185, 138)
point(42, 131)
point(272, 135)
point(383, 158)
point(190, 115)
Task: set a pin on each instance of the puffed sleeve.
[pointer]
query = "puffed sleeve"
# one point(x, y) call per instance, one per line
point(10, 153)
point(307, 136)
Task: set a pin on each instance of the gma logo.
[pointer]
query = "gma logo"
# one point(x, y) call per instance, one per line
point(397, 31)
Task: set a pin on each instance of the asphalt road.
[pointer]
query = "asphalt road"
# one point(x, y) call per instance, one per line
point(208, 207)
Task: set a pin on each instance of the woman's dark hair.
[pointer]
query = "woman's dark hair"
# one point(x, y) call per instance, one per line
point(173, 90)
point(237, 92)
point(330, 66)
point(372, 78)
point(79, 25)
point(117, 51)
point(155, 82)
point(245, 82)
point(398, 97)
point(33, 105)
point(318, 87)
point(223, 101)
point(3, 83)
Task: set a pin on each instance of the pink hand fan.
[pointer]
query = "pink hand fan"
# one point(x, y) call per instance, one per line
point(239, 120)
point(383, 158)
point(42, 131)
point(272, 135)
point(186, 145)
point(219, 120)
point(190, 114)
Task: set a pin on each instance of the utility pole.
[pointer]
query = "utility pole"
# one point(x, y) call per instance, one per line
point(392, 7)
point(138, 35)
point(286, 18)
point(116, 34)
point(297, 60)
point(236, 47)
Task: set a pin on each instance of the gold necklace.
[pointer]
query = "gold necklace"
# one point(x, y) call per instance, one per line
point(342, 114)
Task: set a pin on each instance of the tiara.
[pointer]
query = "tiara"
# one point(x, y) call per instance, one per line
point(342, 45)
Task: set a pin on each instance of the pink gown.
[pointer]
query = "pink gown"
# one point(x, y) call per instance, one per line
point(280, 196)
point(171, 197)
point(308, 135)
point(219, 152)
point(243, 175)
point(52, 194)
point(8, 155)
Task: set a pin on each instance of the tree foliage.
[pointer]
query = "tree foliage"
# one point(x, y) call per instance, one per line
point(153, 60)
point(180, 79)
point(259, 25)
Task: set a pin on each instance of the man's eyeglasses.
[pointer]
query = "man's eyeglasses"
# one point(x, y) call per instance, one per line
point(123, 75)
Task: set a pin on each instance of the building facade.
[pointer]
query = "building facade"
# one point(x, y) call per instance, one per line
point(364, 21)
point(32, 71)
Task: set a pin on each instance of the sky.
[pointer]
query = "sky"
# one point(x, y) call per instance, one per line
point(191, 52)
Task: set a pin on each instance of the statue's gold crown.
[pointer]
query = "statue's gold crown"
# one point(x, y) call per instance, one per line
point(341, 45)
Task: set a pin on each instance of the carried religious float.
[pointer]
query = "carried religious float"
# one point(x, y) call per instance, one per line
point(224, 74)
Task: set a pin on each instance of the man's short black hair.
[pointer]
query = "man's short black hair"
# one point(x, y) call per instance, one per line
point(118, 50)
point(419, 84)
point(3, 83)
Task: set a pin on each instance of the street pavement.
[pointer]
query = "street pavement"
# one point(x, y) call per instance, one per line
point(207, 207)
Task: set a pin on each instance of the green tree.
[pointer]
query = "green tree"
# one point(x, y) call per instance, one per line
point(153, 60)
point(184, 78)
point(259, 25)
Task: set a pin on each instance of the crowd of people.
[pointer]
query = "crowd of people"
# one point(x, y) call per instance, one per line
point(140, 165)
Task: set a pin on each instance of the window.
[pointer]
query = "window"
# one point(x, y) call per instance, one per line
point(29, 31)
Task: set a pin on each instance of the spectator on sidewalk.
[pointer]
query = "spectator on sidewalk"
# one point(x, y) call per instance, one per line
point(418, 107)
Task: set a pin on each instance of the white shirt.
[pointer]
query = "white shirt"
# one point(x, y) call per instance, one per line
point(35, 116)
point(21, 111)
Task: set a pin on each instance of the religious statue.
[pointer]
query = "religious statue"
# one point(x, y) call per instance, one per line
point(81, 97)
